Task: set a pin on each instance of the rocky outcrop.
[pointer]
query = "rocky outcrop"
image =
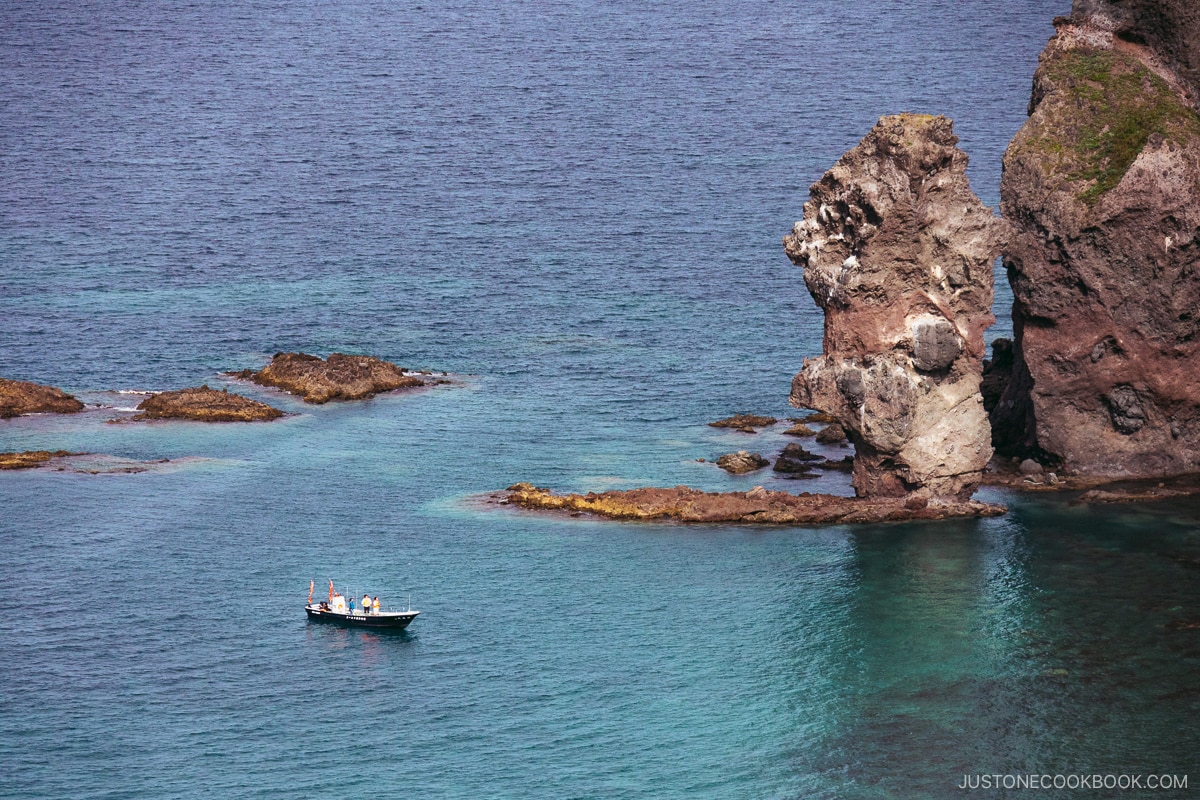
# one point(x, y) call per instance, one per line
point(340, 377)
point(760, 506)
point(796, 461)
point(23, 397)
point(898, 251)
point(1103, 186)
point(741, 462)
point(205, 405)
point(31, 459)
point(746, 423)
point(799, 429)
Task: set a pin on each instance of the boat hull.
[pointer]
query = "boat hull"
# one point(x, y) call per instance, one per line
point(389, 620)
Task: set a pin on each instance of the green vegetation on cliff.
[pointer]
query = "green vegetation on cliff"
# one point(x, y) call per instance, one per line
point(1100, 109)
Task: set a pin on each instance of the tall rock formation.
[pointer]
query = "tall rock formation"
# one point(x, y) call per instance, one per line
point(898, 251)
point(1103, 187)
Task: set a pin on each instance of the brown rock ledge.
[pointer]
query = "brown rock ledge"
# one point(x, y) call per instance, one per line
point(24, 397)
point(31, 458)
point(757, 506)
point(205, 405)
point(340, 377)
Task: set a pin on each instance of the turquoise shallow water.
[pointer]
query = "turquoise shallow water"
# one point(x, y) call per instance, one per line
point(576, 210)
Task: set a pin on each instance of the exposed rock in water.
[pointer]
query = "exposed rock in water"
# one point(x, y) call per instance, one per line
point(746, 423)
point(205, 405)
point(898, 251)
point(23, 397)
point(1103, 186)
point(340, 377)
point(30, 458)
point(795, 460)
point(741, 462)
point(832, 434)
point(685, 504)
point(799, 429)
point(820, 417)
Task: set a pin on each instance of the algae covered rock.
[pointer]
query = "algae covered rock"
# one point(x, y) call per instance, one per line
point(897, 250)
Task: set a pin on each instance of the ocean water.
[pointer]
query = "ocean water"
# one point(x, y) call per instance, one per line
point(576, 210)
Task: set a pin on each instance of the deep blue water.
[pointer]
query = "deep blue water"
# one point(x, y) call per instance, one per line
point(576, 209)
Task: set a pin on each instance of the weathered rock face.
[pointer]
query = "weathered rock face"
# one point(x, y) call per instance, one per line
point(23, 397)
point(205, 405)
point(340, 377)
point(1103, 186)
point(898, 251)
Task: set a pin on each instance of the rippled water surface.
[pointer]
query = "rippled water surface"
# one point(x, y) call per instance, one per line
point(576, 209)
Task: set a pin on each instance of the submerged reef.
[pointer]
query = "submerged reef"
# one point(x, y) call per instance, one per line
point(340, 377)
point(897, 251)
point(1102, 186)
point(23, 397)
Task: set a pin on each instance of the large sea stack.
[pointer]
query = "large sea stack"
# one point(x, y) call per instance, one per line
point(898, 252)
point(1102, 185)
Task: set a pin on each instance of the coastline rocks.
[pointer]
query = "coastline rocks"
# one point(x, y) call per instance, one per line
point(832, 434)
point(758, 506)
point(205, 405)
point(31, 458)
point(746, 423)
point(799, 429)
point(340, 377)
point(741, 462)
point(897, 250)
point(24, 397)
point(1103, 186)
point(796, 461)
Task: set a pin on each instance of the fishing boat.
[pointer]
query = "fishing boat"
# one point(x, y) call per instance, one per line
point(337, 609)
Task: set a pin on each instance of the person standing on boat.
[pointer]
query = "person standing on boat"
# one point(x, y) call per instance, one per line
point(366, 604)
point(375, 605)
point(351, 604)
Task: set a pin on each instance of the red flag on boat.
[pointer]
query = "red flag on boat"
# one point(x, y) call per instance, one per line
point(310, 590)
point(331, 590)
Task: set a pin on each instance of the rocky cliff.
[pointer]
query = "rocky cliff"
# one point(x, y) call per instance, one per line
point(1102, 185)
point(897, 250)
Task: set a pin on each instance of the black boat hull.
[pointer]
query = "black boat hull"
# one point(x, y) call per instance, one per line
point(389, 620)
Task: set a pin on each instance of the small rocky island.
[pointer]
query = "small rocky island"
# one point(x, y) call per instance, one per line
point(23, 397)
point(203, 404)
point(340, 377)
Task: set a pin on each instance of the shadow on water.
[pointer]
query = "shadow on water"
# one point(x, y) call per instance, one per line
point(1057, 640)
